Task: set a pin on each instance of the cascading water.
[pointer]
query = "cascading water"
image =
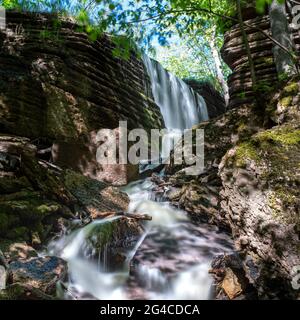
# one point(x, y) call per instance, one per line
point(180, 106)
point(173, 256)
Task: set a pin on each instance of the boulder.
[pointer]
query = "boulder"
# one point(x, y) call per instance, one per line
point(18, 291)
point(110, 241)
point(94, 196)
point(16, 251)
point(42, 273)
point(231, 284)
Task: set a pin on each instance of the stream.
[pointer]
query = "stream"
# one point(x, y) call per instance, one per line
point(172, 258)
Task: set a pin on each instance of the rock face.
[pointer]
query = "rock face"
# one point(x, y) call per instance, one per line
point(199, 195)
point(214, 101)
point(58, 85)
point(35, 195)
point(234, 54)
point(261, 196)
point(251, 185)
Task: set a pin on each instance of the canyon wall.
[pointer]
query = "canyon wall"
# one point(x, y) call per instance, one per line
point(234, 54)
point(58, 88)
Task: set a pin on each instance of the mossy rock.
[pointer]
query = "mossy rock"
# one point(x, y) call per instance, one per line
point(275, 155)
point(291, 89)
point(12, 184)
point(19, 233)
point(7, 221)
point(19, 217)
point(286, 101)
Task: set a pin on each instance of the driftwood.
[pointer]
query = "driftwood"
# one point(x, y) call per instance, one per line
point(145, 217)
point(136, 216)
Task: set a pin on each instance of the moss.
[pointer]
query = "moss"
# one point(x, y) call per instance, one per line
point(284, 200)
point(101, 234)
point(245, 151)
point(285, 136)
point(13, 292)
point(19, 233)
point(265, 61)
point(286, 101)
point(292, 88)
point(46, 209)
point(7, 221)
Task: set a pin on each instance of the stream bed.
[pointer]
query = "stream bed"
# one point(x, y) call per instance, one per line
point(170, 260)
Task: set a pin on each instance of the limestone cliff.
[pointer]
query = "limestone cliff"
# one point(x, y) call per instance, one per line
point(58, 88)
point(234, 54)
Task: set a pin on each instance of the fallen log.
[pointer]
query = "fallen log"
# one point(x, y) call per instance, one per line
point(136, 216)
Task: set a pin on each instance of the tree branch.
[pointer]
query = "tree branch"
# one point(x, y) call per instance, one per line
point(208, 11)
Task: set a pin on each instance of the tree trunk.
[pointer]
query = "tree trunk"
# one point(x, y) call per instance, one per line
point(218, 65)
point(285, 64)
point(246, 44)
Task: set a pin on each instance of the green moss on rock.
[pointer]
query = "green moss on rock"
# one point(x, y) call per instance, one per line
point(285, 136)
point(286, 101)
point(292, 88)
point(244, 152)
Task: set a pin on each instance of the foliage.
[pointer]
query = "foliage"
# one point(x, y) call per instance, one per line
point(190, 58)
point(149, 23)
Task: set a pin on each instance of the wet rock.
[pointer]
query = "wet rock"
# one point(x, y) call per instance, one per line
point(214, 100)
point(18, 291)
point(9, 162)
point(110, 241)
point(230, 278)
point(41, 273)
point(165, 253)
point(231, 284)
point(17, 251)
point(95, 197)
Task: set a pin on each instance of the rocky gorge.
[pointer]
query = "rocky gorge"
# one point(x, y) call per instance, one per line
point(62, 213)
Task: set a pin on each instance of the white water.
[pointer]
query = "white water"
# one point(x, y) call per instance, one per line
point(180, 106)
point(176, 254)
point(194, 247)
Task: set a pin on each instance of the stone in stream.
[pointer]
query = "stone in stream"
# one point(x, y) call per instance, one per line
point(231, 284)
point(110, 241)
point(42, 273)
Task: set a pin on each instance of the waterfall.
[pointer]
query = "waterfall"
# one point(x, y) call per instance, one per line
point(180, 106)
point(176, 253)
